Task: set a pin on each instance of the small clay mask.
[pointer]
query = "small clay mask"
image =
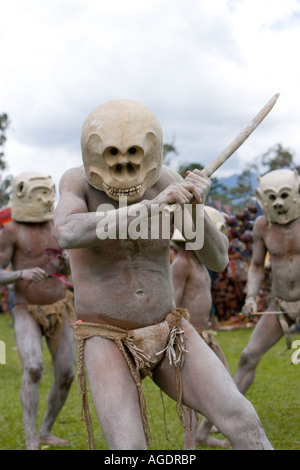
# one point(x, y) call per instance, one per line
point(33, 196)
point(278, 195)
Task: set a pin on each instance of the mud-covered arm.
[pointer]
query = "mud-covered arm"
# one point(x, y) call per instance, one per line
point(214, 252)
point(256, 272)
point(6, 253)
point(7, 246)
point(189, 193)
point(75, 226)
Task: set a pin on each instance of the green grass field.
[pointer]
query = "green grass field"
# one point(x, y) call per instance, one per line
point(275, 395)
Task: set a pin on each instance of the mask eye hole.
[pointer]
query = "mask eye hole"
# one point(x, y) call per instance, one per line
point(135, 154)
point(20, 188)
point(272, 197)
point(284, 195)
point(132, 150)
point(113, 151)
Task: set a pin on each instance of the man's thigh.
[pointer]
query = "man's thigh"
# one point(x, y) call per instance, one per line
point(28, 337)
point(206, 384)
point(62, 346)
point(114, 392)
point(265, 334)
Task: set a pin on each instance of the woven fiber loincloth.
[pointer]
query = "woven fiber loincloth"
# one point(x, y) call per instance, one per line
point(143, 349)
point(51, 317)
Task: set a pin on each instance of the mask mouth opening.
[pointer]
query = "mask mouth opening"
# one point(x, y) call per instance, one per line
point(281, 212)
point(122, 191)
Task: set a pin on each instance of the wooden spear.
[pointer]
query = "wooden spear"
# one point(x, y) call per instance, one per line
point(235, 144)
point(241, 315)
point(269, 313)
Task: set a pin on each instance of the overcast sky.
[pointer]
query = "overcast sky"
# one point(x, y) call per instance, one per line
point(204, 67)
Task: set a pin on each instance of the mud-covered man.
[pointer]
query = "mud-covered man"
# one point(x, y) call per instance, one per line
point(128, 325)
point(275, 233)
point(43, 305)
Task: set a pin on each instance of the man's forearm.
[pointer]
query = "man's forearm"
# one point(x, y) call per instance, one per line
point(256, 276)
point(88, 229)
point(214, 253)
point(9, 277)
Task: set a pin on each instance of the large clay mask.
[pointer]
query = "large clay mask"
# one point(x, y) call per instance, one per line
point(217, 218)
point(278, 195)
point(122, 144)
point(33, 196)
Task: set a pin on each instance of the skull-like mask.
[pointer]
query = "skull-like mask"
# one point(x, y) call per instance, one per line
point(33, 196)
point(122, 144)
point(278, 196)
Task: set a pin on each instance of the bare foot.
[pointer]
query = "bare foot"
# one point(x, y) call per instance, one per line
point(189, 447)
point(212, 442)
point(52, 440)
point(32, 447)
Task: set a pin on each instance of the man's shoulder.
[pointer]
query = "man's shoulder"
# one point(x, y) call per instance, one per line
point(170, 172)
point(260, 227)
point(11, 227)
point(261, 221)
point(168, 176)
point(75, 172)
point(73, 178)
point(10, 231)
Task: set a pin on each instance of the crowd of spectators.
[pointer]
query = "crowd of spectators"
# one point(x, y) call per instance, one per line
point(229, 287)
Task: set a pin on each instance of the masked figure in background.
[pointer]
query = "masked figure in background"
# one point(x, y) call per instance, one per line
point(276, 233)
point(192, 290)
point(43, 304)
point(128, 325)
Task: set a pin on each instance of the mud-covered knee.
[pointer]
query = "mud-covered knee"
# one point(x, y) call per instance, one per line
point(34, 372)
point(242, 407)
point(66, 378)
point(248, 359)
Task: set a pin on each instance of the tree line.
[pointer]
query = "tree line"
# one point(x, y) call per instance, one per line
point(5, 183)
point(239, 196)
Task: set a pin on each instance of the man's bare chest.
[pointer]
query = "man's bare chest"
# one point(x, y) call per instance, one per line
point(283, 242)
point(35, 242)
